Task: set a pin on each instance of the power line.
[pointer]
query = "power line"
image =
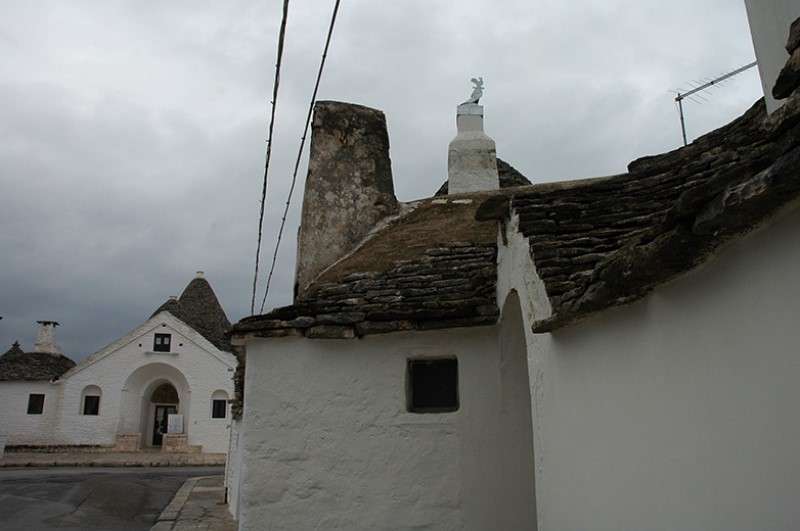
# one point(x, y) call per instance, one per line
point(300, 152)
point(281, 39)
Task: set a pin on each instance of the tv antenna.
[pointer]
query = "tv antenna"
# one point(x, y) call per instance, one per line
point(695, 92)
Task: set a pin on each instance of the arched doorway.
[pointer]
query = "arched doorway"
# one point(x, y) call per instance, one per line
point(164, 400)
point(137, 409)
point(519, 507)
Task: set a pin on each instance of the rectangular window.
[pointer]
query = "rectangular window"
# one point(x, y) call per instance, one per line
point(219, 409)
point(35, 404)
point(432, 385)
point(162, 343)
point(91, 405)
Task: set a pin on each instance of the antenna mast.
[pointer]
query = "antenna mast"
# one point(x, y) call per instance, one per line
point(680, 97)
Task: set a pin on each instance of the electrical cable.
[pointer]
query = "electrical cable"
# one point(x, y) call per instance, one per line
point(300, 153)
point(281, 40)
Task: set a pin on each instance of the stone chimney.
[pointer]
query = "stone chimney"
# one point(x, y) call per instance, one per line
point(349, 186)
point(46, 338)
point(472, 156)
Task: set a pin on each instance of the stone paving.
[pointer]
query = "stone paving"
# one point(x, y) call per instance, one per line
point(198, 505)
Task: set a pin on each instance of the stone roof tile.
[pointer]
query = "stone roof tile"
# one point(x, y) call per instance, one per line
point(431, 267)
point(16, 365)
point(606, 242)
point(199, 307)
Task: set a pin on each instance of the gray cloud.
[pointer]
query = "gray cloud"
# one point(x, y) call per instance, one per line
point(132, 134)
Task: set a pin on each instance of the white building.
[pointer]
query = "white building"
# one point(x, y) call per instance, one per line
point(614, 353)
point(178, 362)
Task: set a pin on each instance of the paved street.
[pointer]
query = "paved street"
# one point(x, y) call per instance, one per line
point(89, 498)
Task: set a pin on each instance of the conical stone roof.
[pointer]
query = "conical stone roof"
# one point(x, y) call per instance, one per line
point(199, 307)
point(17, 365)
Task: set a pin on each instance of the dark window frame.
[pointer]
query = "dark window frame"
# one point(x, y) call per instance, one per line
point(91, 405)
point(219, 408)
point(36, 403)
point(162, 343)
point(432, 385)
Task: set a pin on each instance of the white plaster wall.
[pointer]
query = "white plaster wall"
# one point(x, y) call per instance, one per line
point(133, 368)
point(233, 468)
point(329, 444)
point(16, 426)
point(516, 273)
point(680, 411)
point(125, 371)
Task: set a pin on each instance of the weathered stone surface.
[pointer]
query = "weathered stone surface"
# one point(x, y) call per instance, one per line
point(793, 42)
point(339, 318)
point(739, 206)
point(494, 208)
point(330, 332)
point(303, 321)
point(383, 327)
point(789, 77)
point(16, 365)
point(349, 186)
point(608, 242)
point(436, 263)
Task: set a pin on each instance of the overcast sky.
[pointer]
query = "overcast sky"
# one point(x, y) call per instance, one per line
point(132, 133)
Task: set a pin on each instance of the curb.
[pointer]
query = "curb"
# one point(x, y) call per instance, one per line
point(91, 459)
point(171, 512)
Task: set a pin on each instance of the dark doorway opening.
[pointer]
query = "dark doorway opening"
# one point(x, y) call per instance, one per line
point(160, 422)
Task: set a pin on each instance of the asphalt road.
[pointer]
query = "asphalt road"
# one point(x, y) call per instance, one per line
point(89, 498)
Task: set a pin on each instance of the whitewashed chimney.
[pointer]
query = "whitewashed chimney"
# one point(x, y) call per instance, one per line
point(472, 155)
point(46, 338)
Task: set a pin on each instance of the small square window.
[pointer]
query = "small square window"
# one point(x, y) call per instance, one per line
point(162, 343)
point(91, 405)
point(219, 409)
point(432, 385)
point(35, 404)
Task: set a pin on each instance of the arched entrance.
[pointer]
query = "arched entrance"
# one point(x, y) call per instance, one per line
point(519, 508)
point(164, 400)
point(155, 389)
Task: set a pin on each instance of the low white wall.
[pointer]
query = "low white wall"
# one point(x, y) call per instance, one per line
point(329, 443)
point(16, 425)
point(680, 411)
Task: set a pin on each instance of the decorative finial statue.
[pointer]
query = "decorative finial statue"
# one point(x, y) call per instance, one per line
point(477, 92)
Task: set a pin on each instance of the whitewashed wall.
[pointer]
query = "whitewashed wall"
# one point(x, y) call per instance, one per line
point(16, 426)
point(233, 469)
point(679, 411)
point(127, 371)
point(329, 443)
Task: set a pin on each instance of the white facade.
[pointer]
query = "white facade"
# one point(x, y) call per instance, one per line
point(675, 412)
point(125, 375)
point(660, 390)
point(397, 469)
point(678, 411)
